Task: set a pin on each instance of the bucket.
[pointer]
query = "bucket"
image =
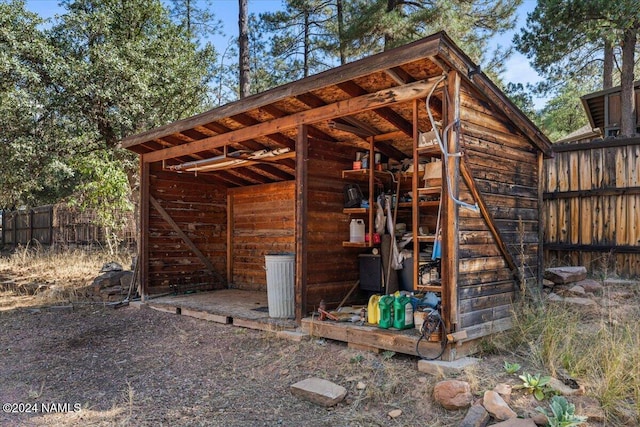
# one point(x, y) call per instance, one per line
point(356, 230)
point(280, 285)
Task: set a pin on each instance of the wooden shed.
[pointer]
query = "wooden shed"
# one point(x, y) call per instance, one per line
point(267, 174)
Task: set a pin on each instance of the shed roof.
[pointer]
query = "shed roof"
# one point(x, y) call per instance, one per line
point(349, 104)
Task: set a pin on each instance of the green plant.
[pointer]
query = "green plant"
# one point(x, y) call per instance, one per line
point(511, 368)
point(356, 359)
point(562, 413)
point(535, 384)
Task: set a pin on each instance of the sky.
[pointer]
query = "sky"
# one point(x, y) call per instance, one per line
point(517, 69)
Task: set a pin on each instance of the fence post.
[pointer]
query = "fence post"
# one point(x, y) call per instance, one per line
point(51, 225)
point(30, 219)
point(15, 229)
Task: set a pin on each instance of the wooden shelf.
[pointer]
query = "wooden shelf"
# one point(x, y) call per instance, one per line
point(357, 245)
point(361, 211)
point(427, 204)
point(426, 239)
point(429, 191)
point(362, 174)
point(429, 288)
point(431, 150)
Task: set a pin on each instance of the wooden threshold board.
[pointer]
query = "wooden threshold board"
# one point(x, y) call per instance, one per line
point(384, 339)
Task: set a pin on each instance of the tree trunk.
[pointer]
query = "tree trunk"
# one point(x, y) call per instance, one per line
point(627, 104)
point(244, 49)
point(307, 43)
point(341, 46)
point(607, 69)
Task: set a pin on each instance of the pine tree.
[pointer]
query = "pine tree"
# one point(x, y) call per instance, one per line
point(572, 40)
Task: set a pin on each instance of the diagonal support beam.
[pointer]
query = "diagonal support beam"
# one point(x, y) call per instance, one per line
point(343, 108)
point(468, 178)
point(163, 213)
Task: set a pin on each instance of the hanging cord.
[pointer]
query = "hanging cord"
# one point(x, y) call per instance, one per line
point(445, 153)
point(393, 232)
point(432, 324)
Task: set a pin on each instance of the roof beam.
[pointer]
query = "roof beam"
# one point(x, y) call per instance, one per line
point(343, 108)
point(353, 89)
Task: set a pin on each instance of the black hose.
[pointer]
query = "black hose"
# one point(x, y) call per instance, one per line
point(431, 324)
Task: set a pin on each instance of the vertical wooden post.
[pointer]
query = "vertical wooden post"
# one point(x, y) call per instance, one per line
point(230, 225)
point(302, 157)
point(415, 211)
point(450, 208)
point(541, 207)
point(143, 260)
point(372, 200)
point(30, 225)
point(51, 212)
point(4, 227)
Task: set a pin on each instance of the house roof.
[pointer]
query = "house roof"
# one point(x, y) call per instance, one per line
point(594, 105)
point(368, 98)
point(586, 132)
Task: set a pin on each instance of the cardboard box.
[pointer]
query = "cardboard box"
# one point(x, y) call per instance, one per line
point(433, 174)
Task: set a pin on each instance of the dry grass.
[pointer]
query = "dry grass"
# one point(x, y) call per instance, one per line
point(598, 346)
point(52, 276)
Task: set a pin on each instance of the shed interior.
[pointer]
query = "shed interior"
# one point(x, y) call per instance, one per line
point(270, 173)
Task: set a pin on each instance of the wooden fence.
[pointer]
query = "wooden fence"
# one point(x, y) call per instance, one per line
point(58, 225)
point(592, 206)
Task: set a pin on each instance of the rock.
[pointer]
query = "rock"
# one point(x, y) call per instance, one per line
point(504, 390)
point(565, 390)
point(571, 300)
point(110, 266)
point(125, 279)
point(395, 413)
point(453, 394)
point(319, 391)
point(476, 416)
point(516, 422)
point(591, 286)
point(555, 297)
point(361, 385)
point(547, 283)
point(588, 406)
point(497, 407)
point(108, 279)
point(579, 301)
point(577, 290)
point(540, 419)
point(561, 275)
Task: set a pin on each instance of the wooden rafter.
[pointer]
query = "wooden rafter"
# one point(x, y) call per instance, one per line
point(346, 107)
point(353, 89)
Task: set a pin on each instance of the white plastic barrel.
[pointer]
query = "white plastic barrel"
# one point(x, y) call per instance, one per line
point(356, 230)
point(281, 285)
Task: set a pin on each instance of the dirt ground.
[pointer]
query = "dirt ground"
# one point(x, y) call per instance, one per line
point(94, 365)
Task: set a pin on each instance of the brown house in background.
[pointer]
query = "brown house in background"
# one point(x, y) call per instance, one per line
point(267, 174)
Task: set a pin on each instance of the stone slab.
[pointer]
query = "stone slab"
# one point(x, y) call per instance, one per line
point(446, 369)
point(563, 275)
point(296, 336)
point(319, 391)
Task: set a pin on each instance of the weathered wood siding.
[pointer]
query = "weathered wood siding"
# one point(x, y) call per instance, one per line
point(262, 222)
point(592, 206)
point(503, 164)
point(331, 269)
point(199, 210)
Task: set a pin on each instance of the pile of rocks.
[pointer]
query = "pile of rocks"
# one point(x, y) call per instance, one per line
point(113, 284)
point(570, 285)
point(493, 407)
